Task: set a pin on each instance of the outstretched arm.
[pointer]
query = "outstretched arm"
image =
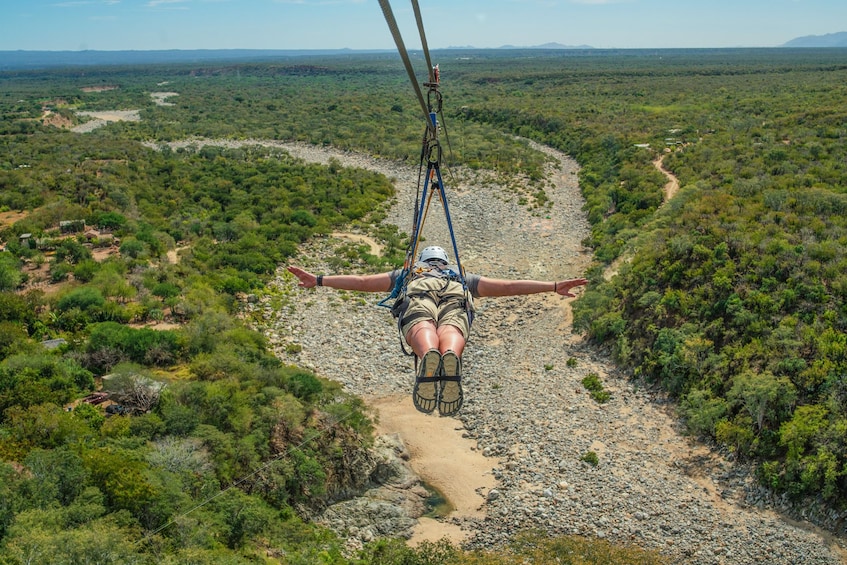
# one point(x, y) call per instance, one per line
point(364, 283)
point(505, 287)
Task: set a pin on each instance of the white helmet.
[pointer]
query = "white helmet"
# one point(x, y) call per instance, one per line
point(433, 252)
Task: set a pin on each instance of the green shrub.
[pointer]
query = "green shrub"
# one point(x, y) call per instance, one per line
point(143, 345)
point(592, 384)
point(85, 270)
point(83, 298)
point(10, 274)
point(702, 411)
point(591, 458)
point(305, 386)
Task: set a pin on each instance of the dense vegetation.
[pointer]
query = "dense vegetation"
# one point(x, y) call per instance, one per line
point(731, 297)
point(734, 296)
point(215, 441)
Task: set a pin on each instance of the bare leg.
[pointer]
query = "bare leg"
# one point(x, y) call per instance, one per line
point(450, 396)
point(450, 338)
point(422, 337)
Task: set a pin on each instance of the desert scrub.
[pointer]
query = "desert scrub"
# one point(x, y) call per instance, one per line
point(595, 388)
point(591, 458)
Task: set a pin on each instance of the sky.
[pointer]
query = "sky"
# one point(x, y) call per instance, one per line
point(112, 25)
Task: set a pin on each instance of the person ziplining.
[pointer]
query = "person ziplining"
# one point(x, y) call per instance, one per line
point(432, 297)
point(436, 321)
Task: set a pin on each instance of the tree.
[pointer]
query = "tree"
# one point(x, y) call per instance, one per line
point(702, 411)
point(132, 247)
point(112, 284)
point(45, 426)
point(12, 337)
point(766, 398)
point(244, 517)
point(122, 478)
point(42, 536)
point(10, 273)
point(32, 379)
point(133, 388)
point(71, 251)
point(58, 475)
point(142, 346)
point(110, 220)
point(10, 496)
point(84, 298)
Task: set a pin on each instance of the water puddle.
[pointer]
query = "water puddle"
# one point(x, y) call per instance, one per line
point(436, 505)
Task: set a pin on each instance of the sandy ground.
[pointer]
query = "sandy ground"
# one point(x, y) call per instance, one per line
point(102, 118)
point(441, 457)
point(114, 115)
point(160, 97)
point(376, 248)
point(9, 218)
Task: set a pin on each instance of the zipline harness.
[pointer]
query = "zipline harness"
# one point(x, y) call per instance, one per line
point(431, 153)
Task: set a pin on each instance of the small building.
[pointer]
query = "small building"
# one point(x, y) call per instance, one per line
point(72, 226)
point(27, 240)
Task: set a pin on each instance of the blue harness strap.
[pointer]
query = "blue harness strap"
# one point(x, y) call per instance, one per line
point(396, 290)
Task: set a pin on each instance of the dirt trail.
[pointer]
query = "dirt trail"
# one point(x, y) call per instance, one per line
point(670, 189)
point(672, 186)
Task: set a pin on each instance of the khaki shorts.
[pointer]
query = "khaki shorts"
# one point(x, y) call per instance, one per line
point(436, 300)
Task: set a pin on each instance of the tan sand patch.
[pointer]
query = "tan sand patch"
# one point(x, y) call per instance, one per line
point(442, 458)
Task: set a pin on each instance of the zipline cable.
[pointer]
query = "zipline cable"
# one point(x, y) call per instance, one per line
point(431, 156)
point(419, 19)
point(431, 151)
point(398, 40)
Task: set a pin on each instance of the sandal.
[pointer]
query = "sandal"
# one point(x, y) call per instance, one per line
point(450, 397)
point(425, 393)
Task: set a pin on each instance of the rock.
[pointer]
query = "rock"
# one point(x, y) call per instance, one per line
point(390, 508)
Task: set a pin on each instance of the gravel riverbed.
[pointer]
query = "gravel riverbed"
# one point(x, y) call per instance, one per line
point(525, 405)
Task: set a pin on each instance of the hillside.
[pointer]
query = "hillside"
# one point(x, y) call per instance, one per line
point(827, 40)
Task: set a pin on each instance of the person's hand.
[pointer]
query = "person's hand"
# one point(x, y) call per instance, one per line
point(564, 288)
point(307, 279)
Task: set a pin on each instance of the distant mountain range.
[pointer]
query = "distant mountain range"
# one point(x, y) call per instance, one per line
point(549, 46)
point(19, 60)
point(829, 40)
